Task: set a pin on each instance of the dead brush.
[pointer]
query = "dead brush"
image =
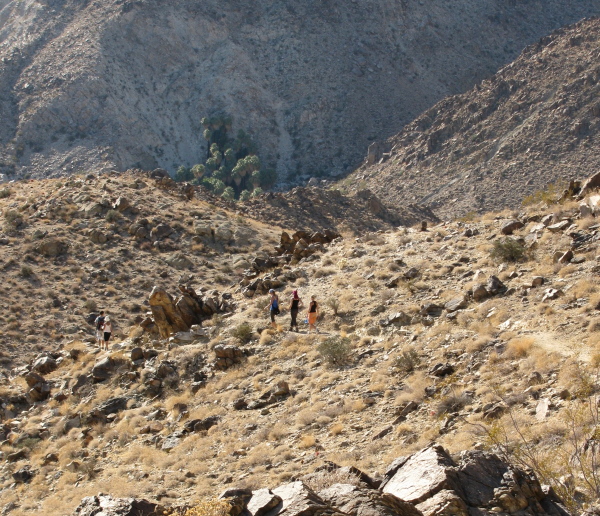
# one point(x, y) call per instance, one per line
point(326, 478)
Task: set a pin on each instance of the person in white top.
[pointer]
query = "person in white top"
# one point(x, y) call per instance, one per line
point(107, 329)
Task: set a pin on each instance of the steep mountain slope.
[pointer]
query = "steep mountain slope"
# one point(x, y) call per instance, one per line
point(535, 122)
point(110, 85)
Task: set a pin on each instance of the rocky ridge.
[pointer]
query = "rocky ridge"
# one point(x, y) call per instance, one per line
point(533, 123)
point(89, 86)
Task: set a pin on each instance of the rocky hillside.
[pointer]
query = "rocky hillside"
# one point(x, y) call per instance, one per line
point(537, 121)
point(88, 86)
point(69, 247)
point(477, 336)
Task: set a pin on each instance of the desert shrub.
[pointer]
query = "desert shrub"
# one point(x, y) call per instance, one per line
point(210, 507)
point(325, 478)
point(112, 216)
point(551, 195)
point(407, 361)
point(26, 271)
point(242, 332)
point(90, 305)
point(452, 403)
point(336, 350)
point(4, 193)
point(13, 218)
point(334, 304)
point(508, 250)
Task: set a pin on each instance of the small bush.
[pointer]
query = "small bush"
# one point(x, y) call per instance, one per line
point(211, 507)
point(508, 250)
point(242, 332)
point(112, 216)
point(334, 304)
point(4, 193)
point(324, 479)
point(407, 361)
point(335, 350)
point(90, 305)
point(452, 403)
point(26, 271)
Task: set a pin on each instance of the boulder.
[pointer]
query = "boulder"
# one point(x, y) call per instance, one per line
point(559, 226)
point(397, 318)
point(161, 231)
point(103, 370)
point(480, 292)
point(495, 286)
point(299, 500)
point(106, 505)
point(457, 303)
point(167, 317)
point(359, 501)
point(121, 204)
point(179, 261)
point(262, 501)
point(512, 225)
point(44, 365)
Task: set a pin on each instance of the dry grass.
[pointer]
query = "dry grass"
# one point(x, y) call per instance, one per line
point(519, 347)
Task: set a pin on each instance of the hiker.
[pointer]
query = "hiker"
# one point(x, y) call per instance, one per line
point(99, 323)
point(273, 307)
point(293, 308)
point(107, 330)
point(312, 314)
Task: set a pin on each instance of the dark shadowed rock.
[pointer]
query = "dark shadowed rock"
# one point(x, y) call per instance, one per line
point(44, 365)
point(238, 499)
point(262, 501)
point(359, 501)
point(512, 225)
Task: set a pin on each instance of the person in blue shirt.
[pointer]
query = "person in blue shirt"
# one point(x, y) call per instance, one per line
point(273, 307)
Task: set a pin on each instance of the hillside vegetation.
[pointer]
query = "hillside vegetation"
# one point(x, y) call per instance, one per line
point(424, 335)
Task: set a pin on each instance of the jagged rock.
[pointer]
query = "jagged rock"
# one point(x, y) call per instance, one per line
point(237, 498)
point(299, 500)
point(542, 408)
point(179, 261)
point(121, 204)
point(431, 310)
point(23, 475)
point(226, 356)
point(446, 502)
point(509, 227)
point(137, 354)
point(262, 501)
point(105, 505)
point(494, 411)
point(566, 257)
point(165, 369)
point(411, 273)
point(551, 294)
point(358, 501)
point(44, 365)
point(560, 226)
point(495, 286)
point(457, 303)
point(32, 378)
point(17, 456)
point(282, 389)
point(161, 231)
point(591, 183)
point(480, 292)
point(167, 317)
point(537, 281)
point(201, 425)
point(202, 229)
point(441, 370)
point(103, 370)
point(398, 318)
point(112, 405)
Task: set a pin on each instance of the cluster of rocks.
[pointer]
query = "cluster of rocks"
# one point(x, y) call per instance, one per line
point(428, 483)
point(269, 397)
point(253, 284)
point(173, 316)
point(291, 249)
point(303, 244)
